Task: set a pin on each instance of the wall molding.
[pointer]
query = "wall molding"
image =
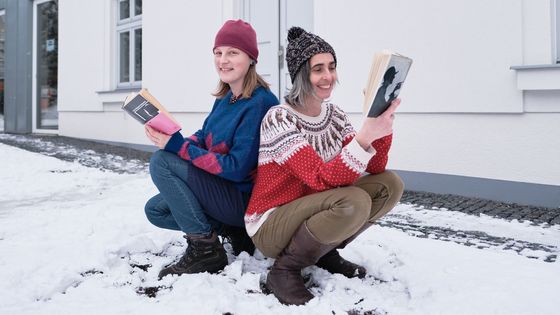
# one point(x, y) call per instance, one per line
point(499, 190)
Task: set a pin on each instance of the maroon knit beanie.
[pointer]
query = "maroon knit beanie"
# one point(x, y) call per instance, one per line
point(238, 34)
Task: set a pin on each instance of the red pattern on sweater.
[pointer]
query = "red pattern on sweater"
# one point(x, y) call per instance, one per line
point(209, 163)
point(305, 173)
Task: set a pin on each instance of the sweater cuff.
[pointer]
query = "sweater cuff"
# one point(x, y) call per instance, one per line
point(175, 143)
point(360, 157)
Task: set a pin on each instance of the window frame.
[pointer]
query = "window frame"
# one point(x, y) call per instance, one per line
point(556, 9)
point(3, 77)
point(130, 24)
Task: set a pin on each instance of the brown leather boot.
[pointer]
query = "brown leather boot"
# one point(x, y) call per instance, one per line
point(334, 263)
point(284, 278)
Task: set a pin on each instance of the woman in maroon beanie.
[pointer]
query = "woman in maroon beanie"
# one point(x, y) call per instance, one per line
point(205, 180)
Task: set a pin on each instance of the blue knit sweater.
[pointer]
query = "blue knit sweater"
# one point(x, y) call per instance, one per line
point(228, 143)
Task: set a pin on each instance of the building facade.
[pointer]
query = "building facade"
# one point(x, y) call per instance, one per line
point(481, 105)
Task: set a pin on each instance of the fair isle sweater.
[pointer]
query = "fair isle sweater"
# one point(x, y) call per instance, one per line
point(228, 143)
point(300, 155)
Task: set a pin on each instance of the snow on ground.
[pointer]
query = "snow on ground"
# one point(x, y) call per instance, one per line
point(74, 240)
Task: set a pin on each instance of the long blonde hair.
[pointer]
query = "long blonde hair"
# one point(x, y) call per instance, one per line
point(251, 81)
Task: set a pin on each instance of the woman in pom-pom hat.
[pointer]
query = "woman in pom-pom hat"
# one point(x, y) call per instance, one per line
point(311, 195)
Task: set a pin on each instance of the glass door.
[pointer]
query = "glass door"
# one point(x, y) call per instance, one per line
point(46, 65)
point(2, 58)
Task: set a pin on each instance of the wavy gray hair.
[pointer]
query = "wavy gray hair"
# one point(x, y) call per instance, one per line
point(301, 87)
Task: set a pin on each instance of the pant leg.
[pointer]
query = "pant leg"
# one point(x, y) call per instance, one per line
point(210, 197)
point(159, 214)
point(170, 175)
point(219, 197)
point(332, 216)
point(385, 190)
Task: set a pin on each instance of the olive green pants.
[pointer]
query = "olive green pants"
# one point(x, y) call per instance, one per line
point(332, 216)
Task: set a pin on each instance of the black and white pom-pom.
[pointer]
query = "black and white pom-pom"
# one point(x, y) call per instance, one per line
point(295, 32)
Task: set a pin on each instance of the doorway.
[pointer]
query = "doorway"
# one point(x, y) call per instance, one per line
point(271, 20)
point(45, 66)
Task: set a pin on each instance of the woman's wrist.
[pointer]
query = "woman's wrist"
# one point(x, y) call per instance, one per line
point(363, 143)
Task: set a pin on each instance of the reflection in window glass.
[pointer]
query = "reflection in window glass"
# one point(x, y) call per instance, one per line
point(2, 39)
point(124, 60)
point(138, 7)
point(47, 65)
point(557, 31)
point(124, 9)
point(138, 54)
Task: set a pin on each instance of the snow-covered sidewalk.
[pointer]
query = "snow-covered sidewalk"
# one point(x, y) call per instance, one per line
point(74, 240)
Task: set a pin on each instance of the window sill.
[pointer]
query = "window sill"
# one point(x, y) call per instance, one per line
point(538, 77)
point(115, 97)
point(120, 90)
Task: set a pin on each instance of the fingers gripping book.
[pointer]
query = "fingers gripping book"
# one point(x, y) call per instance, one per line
point(143, 107)
point(386, 77)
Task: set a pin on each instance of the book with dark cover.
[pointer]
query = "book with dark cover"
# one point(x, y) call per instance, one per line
point(143, 107)
point(386, 78)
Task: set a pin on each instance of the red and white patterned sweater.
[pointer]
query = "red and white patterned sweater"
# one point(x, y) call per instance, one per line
point(301, 155)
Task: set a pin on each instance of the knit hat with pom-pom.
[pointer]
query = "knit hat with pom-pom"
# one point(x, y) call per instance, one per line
point(301, 47)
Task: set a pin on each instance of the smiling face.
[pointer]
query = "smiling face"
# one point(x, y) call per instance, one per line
point(232, 65)
point(323, 75)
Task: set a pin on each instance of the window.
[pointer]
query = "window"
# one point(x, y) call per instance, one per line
point(129, 43)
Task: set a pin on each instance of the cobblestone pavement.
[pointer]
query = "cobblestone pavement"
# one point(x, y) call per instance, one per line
point(126, 160)
point(478, 239)
point(475, 206)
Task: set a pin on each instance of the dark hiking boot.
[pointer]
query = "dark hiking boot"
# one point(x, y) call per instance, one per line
point(238, 239)
point(284, 278)
point(203, 254)
point(334, 263)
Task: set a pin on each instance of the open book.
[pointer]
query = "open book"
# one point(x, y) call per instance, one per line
point(386, 77)
point(143, 107)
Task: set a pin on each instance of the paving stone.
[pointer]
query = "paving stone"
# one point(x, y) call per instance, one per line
point(476, 206)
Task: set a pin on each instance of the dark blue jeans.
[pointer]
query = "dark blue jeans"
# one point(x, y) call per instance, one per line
point(190, 199)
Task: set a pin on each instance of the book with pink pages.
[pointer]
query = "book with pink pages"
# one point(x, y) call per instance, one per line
point(143, 107)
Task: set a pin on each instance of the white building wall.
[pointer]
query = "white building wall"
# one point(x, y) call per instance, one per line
point(464, 111)
point(81, 55)
point(177, 65)
point(462, 50)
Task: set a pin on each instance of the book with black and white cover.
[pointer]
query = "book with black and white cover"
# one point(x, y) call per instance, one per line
point(386, 78)
point(143, 107)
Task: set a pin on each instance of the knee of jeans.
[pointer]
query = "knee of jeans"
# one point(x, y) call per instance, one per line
point(150, 210)
point(357, 204)
point(158, 161)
